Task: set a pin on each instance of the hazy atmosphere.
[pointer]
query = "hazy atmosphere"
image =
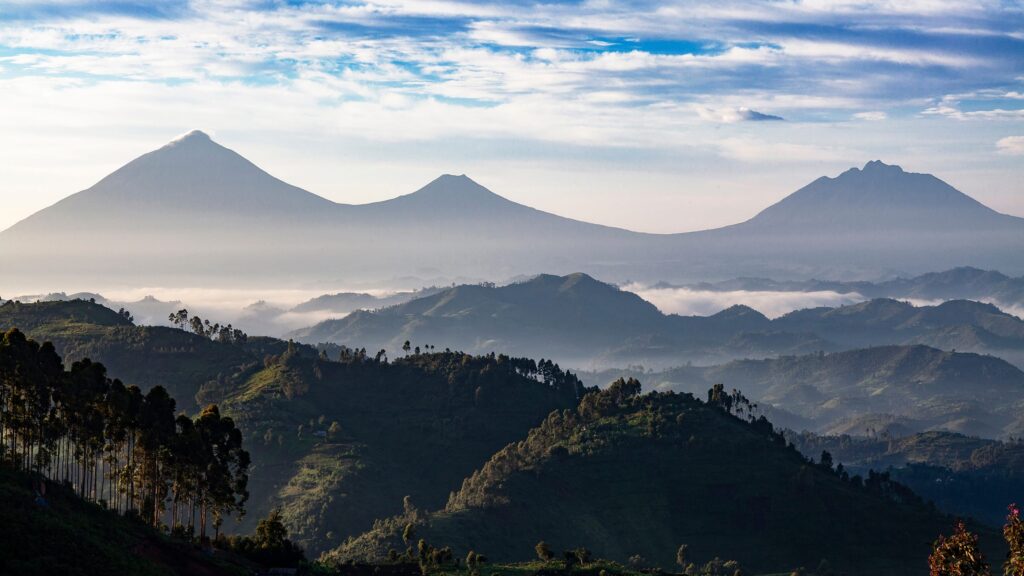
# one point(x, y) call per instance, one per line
point(511, 288)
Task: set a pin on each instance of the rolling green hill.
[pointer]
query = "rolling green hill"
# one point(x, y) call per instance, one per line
point(338, 444)
point(626, 475)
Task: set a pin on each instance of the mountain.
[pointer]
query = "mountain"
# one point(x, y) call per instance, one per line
point(960, 324)
point(583, 322)
point(882, 198)
point(918, 387)
point(627, 475)
point(574, 318)
point(346, 302)
point(196, 213)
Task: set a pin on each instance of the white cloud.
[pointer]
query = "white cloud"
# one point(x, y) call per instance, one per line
point(1011, 145)
point(873, 116)
point(688, 302)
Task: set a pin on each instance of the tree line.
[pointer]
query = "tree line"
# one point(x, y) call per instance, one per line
point(213, 331)
point(113, 444)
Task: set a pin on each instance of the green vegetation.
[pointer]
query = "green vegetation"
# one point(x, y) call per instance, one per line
point(338, 444)
point(960, 555)
point(635, 475)
point(437, 462)
point(962, 475)
point(145, 356)
point(114, 445)
point(59, 533)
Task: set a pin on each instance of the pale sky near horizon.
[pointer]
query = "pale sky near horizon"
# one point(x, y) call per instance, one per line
point(654, 116)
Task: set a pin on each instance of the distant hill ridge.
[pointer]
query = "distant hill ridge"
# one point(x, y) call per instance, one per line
point(585, 322)
point(195, 211)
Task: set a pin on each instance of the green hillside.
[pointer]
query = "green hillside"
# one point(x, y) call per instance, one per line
point(627, 474)
point(337, 445)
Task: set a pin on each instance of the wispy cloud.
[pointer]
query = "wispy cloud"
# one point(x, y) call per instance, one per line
point(1011, 145)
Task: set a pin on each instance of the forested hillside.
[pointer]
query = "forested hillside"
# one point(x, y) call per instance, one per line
point(338, 444)
point(629, 475)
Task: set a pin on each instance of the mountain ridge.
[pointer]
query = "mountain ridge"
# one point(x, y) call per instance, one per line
point(585, 322)
point(196, 211)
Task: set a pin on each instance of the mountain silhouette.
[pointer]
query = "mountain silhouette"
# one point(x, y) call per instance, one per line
point(194, 211)
point(877, 197)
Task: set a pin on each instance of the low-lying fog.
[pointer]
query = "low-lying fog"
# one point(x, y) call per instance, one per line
point(278, 312)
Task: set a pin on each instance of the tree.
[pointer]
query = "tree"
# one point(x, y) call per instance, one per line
point(1013, 532)
point(826, 460)
point(681, 559)
point(544, 551)
point(270, 531)
point(113, 445)
point(406, 347)
point(179, 318)
point(957, 555)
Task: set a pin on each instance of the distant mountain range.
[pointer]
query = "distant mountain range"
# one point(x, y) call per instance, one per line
point(196, 213)
point(586, 323)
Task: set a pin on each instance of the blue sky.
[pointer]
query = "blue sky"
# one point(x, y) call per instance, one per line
point(660, 116)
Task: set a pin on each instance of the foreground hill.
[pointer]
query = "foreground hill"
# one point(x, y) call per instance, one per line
point(899, 389)
point(315, 427)
point(585, 322)
point(626, 475)
point(963, 475)
point(67, 535)
point(336, 445)
point(172, 204)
